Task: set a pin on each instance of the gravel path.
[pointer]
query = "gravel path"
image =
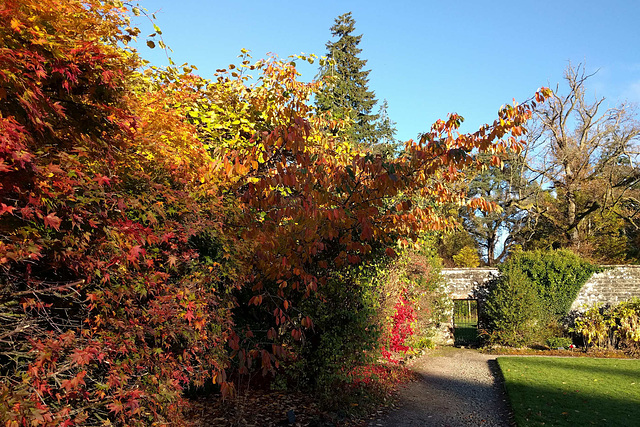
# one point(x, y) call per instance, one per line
point(457, 387)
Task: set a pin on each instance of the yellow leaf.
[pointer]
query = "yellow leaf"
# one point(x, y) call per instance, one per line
point(15, 24)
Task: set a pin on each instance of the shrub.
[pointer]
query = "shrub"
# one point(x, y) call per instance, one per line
point(557, 342)
point(594, 327)
point(536, 288)
point(556, 275)
point(413, 288)
point(627, 315)
point(513, 310)
point(615, 326)
point(344, 333)
point(108, 310)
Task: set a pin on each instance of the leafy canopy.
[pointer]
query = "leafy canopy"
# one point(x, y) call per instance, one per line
point(158, 229)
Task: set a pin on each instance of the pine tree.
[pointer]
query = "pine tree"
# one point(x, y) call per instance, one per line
point(347, 94)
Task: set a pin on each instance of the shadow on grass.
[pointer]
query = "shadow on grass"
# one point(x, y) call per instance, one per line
point(533, 406)
point(564, 393)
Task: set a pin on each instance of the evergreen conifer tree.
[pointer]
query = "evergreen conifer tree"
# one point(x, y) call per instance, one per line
point(347, 94)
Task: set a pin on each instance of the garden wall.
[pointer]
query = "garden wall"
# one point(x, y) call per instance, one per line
point(616, 283)
point(466, 283)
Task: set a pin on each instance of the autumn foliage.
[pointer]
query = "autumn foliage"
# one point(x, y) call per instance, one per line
point(158, 230)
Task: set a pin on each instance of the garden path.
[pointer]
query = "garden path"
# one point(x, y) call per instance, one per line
point(456, 387)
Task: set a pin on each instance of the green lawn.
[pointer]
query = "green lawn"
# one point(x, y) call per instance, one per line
point(556, 391)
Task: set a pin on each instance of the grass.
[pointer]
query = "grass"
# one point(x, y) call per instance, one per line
point(572, 391)
point(466, 333)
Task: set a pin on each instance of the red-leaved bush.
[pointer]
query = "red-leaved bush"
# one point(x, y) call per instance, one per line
point(400, 329)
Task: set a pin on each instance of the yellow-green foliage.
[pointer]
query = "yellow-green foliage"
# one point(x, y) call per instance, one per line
point(615, 326)
point(467, 257)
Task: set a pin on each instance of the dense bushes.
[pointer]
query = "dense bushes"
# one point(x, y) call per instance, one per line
point(159, 230)
point(535, 290)
point(514, 310)
point(388, 308)
point(557, 275)
point(414, 301)
point(616, 326)
point(344, 335)
point(107, 307)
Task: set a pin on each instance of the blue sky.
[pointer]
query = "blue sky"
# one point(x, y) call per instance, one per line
point(427, 58)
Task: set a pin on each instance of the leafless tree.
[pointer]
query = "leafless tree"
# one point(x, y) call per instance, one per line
point(586, 155)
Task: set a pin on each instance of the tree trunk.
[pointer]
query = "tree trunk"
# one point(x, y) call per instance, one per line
point(572, 227)
point(491, 249)
point(570, 196)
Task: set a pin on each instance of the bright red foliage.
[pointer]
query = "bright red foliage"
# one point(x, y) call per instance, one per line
point(101, 202)
point(402, 325)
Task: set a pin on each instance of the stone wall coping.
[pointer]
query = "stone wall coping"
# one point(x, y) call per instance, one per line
point(496, 268)
point(619, 265)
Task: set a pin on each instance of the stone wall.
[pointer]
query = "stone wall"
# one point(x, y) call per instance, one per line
point(616, 283)
point(464, 283)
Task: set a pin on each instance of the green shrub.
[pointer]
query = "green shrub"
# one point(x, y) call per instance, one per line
point(513, 310)
point(535, 290)
point(557, 342)
point(556, 275)
point(345, 334)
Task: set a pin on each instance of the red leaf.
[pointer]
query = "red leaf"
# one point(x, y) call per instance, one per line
point(189, 316)
point(74, 382)
point(256, 300)
point(81, 357)
point(226, 389)
point(4, 208)
point(115, 407)
point(172, 260)
point(135, 252)
point(4, 167)
point(52, 221)
point(102, 180)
